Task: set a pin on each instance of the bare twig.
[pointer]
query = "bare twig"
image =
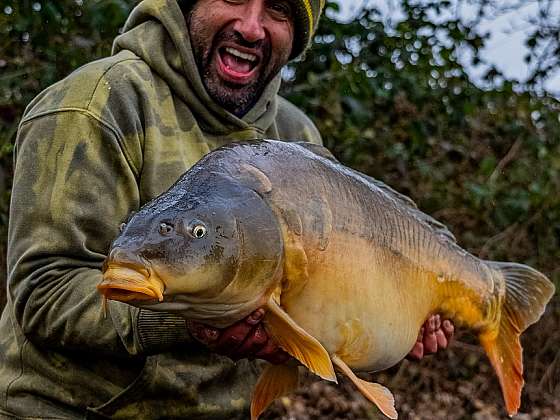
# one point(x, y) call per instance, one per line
point(510, 155)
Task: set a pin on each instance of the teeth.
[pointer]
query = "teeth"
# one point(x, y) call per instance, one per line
point(244, 56)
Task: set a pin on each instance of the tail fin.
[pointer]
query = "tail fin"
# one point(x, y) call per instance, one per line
point(527, 293)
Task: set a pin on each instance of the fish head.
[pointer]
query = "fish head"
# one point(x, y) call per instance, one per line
point(210, 251)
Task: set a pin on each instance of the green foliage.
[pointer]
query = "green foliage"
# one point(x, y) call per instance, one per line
point(41, 42)
point(542, 37)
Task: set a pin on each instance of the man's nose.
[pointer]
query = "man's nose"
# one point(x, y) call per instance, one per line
point(250, 23)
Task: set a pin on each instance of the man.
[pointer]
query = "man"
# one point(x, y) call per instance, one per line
point(183, 79)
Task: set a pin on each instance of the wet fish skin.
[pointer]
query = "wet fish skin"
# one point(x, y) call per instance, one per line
point(351, 269)
point(198, 277)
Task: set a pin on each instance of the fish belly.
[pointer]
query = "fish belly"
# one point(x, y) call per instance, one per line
point(361, 305)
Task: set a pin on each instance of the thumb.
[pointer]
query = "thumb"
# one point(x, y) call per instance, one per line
point(203, 333)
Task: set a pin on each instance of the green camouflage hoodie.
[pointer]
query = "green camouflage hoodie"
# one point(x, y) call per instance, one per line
point(91, 149)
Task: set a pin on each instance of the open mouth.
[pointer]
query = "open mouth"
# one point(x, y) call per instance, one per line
point(127, 284)
point(236, 65)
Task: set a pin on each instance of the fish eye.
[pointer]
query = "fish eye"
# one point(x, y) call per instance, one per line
point(197, 229)
point(165, 228)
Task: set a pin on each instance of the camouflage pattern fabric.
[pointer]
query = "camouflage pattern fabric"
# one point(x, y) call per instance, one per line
point(91, 149)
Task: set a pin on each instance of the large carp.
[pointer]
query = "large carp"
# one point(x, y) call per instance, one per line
point(347, 268)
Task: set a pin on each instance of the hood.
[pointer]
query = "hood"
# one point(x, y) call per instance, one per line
point(156, 31)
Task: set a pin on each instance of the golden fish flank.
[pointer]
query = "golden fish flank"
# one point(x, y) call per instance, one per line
point(347, 268)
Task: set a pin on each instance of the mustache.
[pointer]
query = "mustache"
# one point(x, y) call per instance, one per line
point(236, 38)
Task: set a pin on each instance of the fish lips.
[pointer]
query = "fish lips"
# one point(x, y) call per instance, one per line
point(127, 284)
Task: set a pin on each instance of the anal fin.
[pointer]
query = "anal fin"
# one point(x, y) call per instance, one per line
point(376, 393)
point(297, 342)
point(274, 382)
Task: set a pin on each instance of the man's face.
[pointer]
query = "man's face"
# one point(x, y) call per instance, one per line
point(239, 47)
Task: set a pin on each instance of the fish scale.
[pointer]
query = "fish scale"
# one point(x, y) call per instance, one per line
point(347, 268)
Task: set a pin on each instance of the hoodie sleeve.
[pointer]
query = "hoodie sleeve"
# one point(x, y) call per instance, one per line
point(73, 186)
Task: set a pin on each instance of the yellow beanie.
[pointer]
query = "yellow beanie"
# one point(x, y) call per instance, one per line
point(306, 19)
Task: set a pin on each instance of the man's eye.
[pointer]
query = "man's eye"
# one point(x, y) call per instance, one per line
point(280, 10)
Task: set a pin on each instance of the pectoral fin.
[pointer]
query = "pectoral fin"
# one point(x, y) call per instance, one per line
point(274, 382)
point(297, 342)
point(376, 393)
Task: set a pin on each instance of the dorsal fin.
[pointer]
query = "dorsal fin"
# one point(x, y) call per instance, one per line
point(402, 199)
point(317, 149)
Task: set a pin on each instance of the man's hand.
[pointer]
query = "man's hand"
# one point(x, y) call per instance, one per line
point(246, 339)
point(434, 335)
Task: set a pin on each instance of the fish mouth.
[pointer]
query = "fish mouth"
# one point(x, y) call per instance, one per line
point(127, 284)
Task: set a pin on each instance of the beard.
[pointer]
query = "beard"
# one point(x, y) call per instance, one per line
point(235, 98)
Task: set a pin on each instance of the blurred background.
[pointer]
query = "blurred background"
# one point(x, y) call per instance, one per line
point(418, 94)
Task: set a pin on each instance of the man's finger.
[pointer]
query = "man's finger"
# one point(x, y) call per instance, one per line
point(254, 342)
point(231, 338)
point(273, 353)
point(417, 352)
point(420, 335)
point(203, 333)
point(437, 322)
point(430, 325)
point(430, 343)
point(448, 329)
point(441, 340)
point(255, 317)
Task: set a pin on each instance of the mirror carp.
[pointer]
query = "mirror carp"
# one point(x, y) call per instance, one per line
point(347, 268)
